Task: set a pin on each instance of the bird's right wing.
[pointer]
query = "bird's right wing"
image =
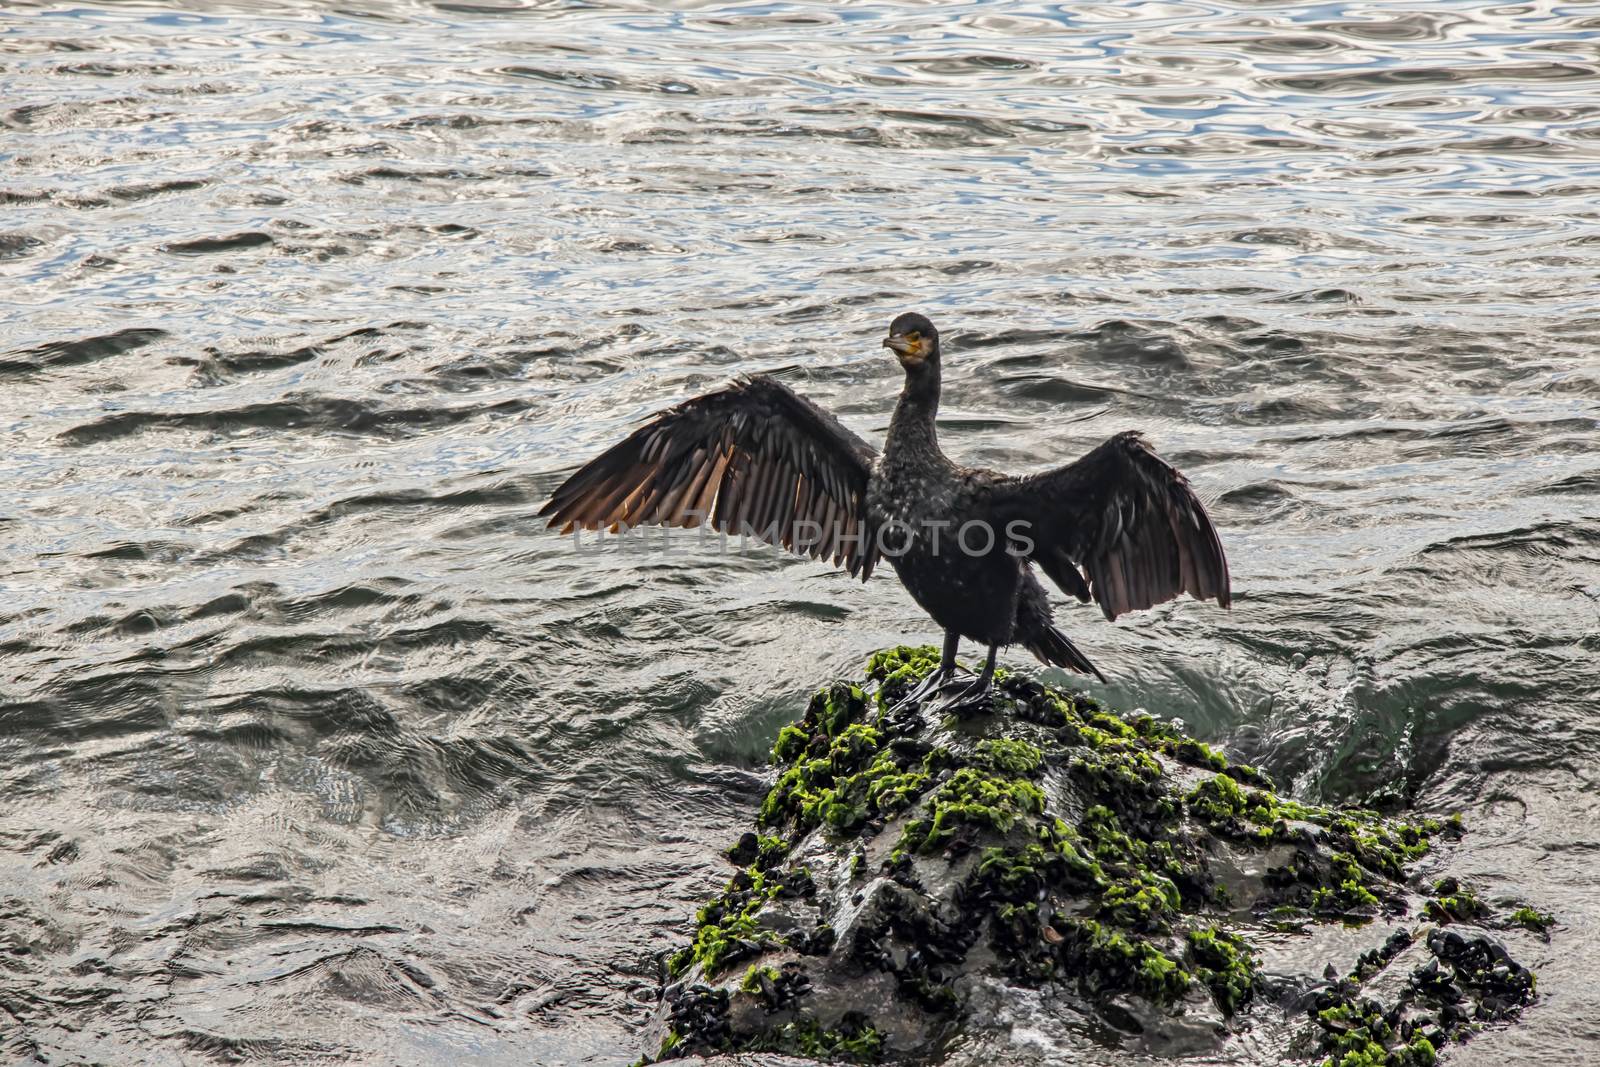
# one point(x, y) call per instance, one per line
point(754, 458)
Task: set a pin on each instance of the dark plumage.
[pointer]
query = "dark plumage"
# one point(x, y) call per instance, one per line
point(1119, 525)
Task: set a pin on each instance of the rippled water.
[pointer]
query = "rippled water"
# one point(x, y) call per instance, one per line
point(313, 745)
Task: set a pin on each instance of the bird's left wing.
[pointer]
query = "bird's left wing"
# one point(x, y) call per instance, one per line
point(753, 458)
point(1128, 519)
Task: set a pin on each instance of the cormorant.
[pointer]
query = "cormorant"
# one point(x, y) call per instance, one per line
point(1119, 525)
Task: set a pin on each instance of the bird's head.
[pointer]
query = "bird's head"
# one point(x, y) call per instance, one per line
point(914, 340)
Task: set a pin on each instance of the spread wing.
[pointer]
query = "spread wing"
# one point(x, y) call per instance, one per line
point(754, 459)
point(1128, 519)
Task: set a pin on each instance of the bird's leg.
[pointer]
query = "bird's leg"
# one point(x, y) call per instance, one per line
point(976, 695)
point(938, 678)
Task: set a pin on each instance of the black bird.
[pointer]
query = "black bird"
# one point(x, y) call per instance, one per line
point(1120, 524)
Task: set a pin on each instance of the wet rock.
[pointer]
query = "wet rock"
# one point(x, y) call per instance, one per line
point(930, 889)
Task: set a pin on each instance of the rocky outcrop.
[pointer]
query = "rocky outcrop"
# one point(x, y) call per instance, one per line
point(1050, 875)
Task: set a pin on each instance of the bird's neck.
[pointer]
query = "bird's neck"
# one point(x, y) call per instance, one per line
point(913, 424)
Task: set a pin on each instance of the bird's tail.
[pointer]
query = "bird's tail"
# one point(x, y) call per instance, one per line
point(1052, 647)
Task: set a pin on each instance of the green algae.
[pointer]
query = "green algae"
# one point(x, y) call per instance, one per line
point(1108, 961)
point(855, 1040)
point(1360, 1036)
point(1461, 908)
point(1022, 874)
point(758, 850)
point(1152, 729)
point(1245, 774)
point(1469, 980)
point(792, 741)
point(897, 669)
point(1129, 780)
point(1009, 756)
point(837, 769)
point(1367, 855)
point(722, 936)
point(854, 782)
point(1266, 809)
point(1109, 726)
point(1223, 962)
point(1146, 913)
point(1140, 905)
point(1532, 919)
point(753, 978)
point(1197, 754)
point(972, 798)
point(728, 929)
point(1218, 801)
point(1151, 861)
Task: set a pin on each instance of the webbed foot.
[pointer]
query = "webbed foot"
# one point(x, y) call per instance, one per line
point(932, 683)
point(975, 698)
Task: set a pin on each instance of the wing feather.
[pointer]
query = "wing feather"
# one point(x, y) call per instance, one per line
point(754, 458)
point(1128, 519)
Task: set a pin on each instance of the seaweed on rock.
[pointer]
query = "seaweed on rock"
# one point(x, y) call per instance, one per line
point(905, 863)
point(1465, 982)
